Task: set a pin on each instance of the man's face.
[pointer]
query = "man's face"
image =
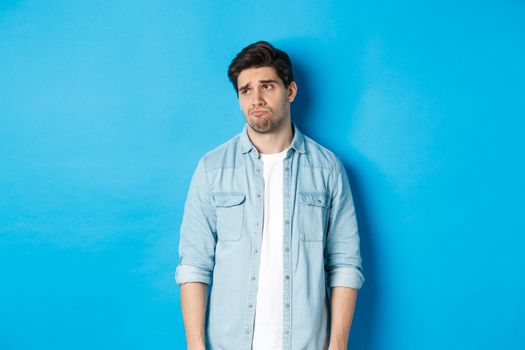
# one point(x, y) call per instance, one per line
point(263, 98)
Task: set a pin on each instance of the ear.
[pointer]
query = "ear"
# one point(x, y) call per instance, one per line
point(292, 91)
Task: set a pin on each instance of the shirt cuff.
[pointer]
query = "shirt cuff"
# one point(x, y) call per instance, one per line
point(346, 277)
point(188, 273)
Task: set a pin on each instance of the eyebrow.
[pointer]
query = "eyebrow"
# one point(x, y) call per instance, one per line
point(244, 87)
point(267, 81)
point(260, 81)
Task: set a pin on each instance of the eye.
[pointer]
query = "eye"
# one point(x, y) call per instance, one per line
point(244, 91)
point(266, 86)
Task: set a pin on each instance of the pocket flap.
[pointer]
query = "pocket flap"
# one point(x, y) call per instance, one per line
point(319, 199)
point(227, 199)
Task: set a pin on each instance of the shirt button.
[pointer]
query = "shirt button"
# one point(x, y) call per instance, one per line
point(258, 195)
point(287, 305)
point(247, 331)
point(286, 222)
point(286, 332)
point(286, 249)
point(256, 251)
point(250, 306)
point(287, 277)
point(257, 223)
point(286, 169)
point(253, 278)
point(318, 201)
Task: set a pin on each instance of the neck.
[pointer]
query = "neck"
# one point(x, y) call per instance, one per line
point(272, 142)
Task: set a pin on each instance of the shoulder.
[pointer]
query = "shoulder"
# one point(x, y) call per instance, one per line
point(223, 156)
point(319, 156)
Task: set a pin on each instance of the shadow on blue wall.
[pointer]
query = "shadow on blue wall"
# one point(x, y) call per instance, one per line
point(366, 314)
point(304, 101)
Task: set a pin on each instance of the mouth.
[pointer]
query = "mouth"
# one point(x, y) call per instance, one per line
point(259, 112)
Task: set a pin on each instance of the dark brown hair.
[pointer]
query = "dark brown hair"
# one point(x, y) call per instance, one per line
point(261, 54)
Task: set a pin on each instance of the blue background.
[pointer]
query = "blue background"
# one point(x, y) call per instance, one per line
point(106, 107)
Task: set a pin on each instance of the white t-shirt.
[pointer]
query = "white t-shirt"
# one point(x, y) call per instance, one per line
point(268, 327)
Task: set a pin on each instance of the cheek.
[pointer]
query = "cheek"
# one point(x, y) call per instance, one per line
point(280, 102)
point(242, 105)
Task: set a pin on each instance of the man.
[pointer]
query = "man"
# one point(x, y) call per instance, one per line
point(269, 225)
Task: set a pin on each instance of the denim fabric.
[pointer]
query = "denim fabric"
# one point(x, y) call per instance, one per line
point(221, 237)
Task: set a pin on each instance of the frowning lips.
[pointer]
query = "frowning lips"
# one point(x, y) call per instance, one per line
point(257, 112)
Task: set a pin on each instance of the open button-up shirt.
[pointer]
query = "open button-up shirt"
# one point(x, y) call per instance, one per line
point(221, 234)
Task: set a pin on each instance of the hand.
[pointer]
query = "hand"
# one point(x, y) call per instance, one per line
point(337, 347)
point(197, 347)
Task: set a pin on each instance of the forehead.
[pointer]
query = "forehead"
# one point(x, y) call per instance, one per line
point(254, 75)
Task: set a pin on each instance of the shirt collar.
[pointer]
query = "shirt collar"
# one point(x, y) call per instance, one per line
point(297, 142)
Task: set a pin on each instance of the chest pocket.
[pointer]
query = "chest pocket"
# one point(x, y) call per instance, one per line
point(313, 215)
point(230, 215)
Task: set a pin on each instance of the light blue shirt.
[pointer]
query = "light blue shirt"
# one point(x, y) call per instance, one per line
point(221, 236)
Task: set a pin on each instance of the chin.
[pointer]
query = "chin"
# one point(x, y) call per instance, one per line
point(260, 130)
point(263, 125)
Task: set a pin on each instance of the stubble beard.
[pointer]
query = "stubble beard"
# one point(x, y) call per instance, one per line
point(265, 124)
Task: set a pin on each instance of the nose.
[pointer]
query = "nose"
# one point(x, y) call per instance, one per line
point(257, 98)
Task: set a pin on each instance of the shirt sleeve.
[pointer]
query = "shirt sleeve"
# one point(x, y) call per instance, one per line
point(342, 251)
point(197, 233)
